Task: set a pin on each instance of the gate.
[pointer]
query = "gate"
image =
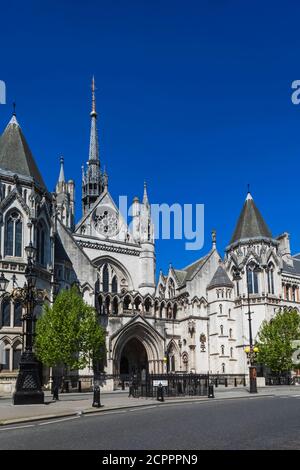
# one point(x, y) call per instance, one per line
point(174, 385)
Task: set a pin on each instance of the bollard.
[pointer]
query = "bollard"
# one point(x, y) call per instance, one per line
point(235, 382)
point(96, 398)
point(226, 382)
point(211, 391)
point(67, 386)
point(55, 389)
point(79, 386)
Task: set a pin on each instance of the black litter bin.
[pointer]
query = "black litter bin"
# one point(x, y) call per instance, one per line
point(160, 393)
point(96, 398)
point(211, 391)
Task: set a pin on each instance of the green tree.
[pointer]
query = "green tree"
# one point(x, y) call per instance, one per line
point(68, 332)
point(275, 340)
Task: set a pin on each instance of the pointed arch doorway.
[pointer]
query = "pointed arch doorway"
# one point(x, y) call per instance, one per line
point(133, 358)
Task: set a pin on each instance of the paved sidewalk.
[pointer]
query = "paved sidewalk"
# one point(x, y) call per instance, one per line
point(72, 404)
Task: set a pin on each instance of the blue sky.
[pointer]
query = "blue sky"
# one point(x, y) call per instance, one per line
point(193, 96)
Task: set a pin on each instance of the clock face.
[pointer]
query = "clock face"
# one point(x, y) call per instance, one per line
point(106, 221)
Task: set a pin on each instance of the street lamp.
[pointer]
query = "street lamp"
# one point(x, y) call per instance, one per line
point(28, 387)
point(251, 354)
point(3, 284)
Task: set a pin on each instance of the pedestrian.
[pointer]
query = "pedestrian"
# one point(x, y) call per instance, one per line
point(55, 387)
point(131, 390)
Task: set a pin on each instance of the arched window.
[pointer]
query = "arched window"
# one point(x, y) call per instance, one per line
point(221, 309)
point(137, 304)
point(175, 311)
point(17, 351)
point(161, 310)
point(236, 278)
point(252, 278)
point(114, 285)
point(17, 314)
point(147, 305)
point(7, 349)
point(270, 275)
point(107, 305)
point(221, 330)
point(171, 289)
point(41, 240)
point(105, 277)
point(229, 312)
point(230, 332)
point(171, 359)
point(161, 290)
point(100, 300)
point(185, 360)
point(115, 306)
point(223, 368)
point(13, 235)
point(5, 311)
point(231, 352)
point(127, 303)
point(222, 350)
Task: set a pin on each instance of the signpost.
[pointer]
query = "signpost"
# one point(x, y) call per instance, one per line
point(164, 383)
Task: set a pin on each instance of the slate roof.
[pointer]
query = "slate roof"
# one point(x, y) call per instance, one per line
point(192, 268)
point(60, 252)
point(187, 273)
point(220, 279)
point(180, 275)
point(250, 223)
point(295, 270)
point(15, 154)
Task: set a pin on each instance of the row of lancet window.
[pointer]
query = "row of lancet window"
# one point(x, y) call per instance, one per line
point(13, 237)
point(291, 292)
point(229, 331)
point(11, 314)
point(6, 189)
point(114, 306)
point(223, 351)
point(253, 273)
point(12, 355)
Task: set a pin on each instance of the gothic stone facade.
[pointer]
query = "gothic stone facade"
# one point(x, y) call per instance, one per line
point(195, 316)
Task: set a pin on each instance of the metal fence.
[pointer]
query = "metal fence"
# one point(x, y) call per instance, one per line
point(228, 380)
point(173, 385)
point(178, 384)
point(279, 380)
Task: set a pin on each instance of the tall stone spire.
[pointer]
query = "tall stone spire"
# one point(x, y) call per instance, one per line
point(61, 178)
point(145, 196)
point(92, 185)
point(94, 161)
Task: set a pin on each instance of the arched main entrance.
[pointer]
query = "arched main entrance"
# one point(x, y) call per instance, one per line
point(137, 346)
point(134, 357)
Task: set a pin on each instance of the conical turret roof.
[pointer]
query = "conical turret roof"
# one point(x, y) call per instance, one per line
point(250, 223)
point(220, 279)
point(15, 154)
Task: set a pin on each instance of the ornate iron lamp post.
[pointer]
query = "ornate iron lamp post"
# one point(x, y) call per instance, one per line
point(28, 387)
point(251, 354)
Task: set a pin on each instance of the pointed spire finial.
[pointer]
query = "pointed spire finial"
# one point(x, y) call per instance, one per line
point(105, 179)
point(14, 108)
point(61, 178)
point(145, 197)
point(214, 238)
point(248, 188)
point(94, 112)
